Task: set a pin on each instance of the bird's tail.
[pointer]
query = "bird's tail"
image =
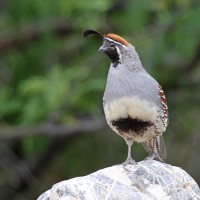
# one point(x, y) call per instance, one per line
point(160, 146)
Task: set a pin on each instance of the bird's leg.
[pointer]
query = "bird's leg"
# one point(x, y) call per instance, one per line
point(129, 159)
point(154, 153)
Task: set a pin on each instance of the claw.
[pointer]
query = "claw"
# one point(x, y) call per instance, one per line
point(129, 162)
point(154, 154)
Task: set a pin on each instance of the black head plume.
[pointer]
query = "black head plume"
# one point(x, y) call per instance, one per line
point(88, 32)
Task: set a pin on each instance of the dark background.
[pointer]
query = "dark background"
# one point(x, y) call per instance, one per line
point(52, 125)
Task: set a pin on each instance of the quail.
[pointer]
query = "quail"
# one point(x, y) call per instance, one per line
point(134, 103)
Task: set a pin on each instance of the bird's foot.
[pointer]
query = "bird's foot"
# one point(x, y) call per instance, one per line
point(155, 156)
point(129, 161)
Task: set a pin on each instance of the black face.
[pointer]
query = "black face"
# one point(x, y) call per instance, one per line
point(112, 53)
point(110, 49)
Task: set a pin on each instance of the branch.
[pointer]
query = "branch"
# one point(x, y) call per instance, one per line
point(82, 126)
point(61, 136)
point(33, 32)
point(194, 61)
point(20, 182)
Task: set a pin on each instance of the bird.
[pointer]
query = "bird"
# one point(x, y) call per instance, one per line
point(134, 102)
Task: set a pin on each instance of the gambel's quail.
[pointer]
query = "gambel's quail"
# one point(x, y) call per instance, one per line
point(134, 103)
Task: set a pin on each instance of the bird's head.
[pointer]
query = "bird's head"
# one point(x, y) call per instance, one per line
point(113, 46)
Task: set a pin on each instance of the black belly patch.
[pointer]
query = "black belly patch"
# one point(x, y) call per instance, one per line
point(131, 125)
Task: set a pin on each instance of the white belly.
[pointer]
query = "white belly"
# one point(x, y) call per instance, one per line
point(134, 108)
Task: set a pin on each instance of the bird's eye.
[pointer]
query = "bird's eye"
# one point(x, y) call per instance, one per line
point(112, 45)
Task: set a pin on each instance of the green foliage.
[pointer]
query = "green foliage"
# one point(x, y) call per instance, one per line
point(8, 104)
point(73, 87)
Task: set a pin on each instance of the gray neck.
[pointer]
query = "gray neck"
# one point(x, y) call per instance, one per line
point(130, 59)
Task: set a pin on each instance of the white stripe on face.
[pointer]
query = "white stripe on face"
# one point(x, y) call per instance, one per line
point(119, 53)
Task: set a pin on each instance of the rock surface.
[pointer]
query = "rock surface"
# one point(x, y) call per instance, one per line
point(146, 180)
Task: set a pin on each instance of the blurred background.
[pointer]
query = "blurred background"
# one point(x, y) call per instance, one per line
point(52, 80)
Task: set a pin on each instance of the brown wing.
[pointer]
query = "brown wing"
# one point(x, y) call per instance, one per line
point(164, 117)
point(160, 144)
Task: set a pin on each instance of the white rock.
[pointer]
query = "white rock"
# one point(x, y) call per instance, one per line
point(146, 180)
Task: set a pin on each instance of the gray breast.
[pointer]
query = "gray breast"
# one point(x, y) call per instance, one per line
point(123, 83)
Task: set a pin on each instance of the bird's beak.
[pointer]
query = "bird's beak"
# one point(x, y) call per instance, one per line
point(102, 48)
